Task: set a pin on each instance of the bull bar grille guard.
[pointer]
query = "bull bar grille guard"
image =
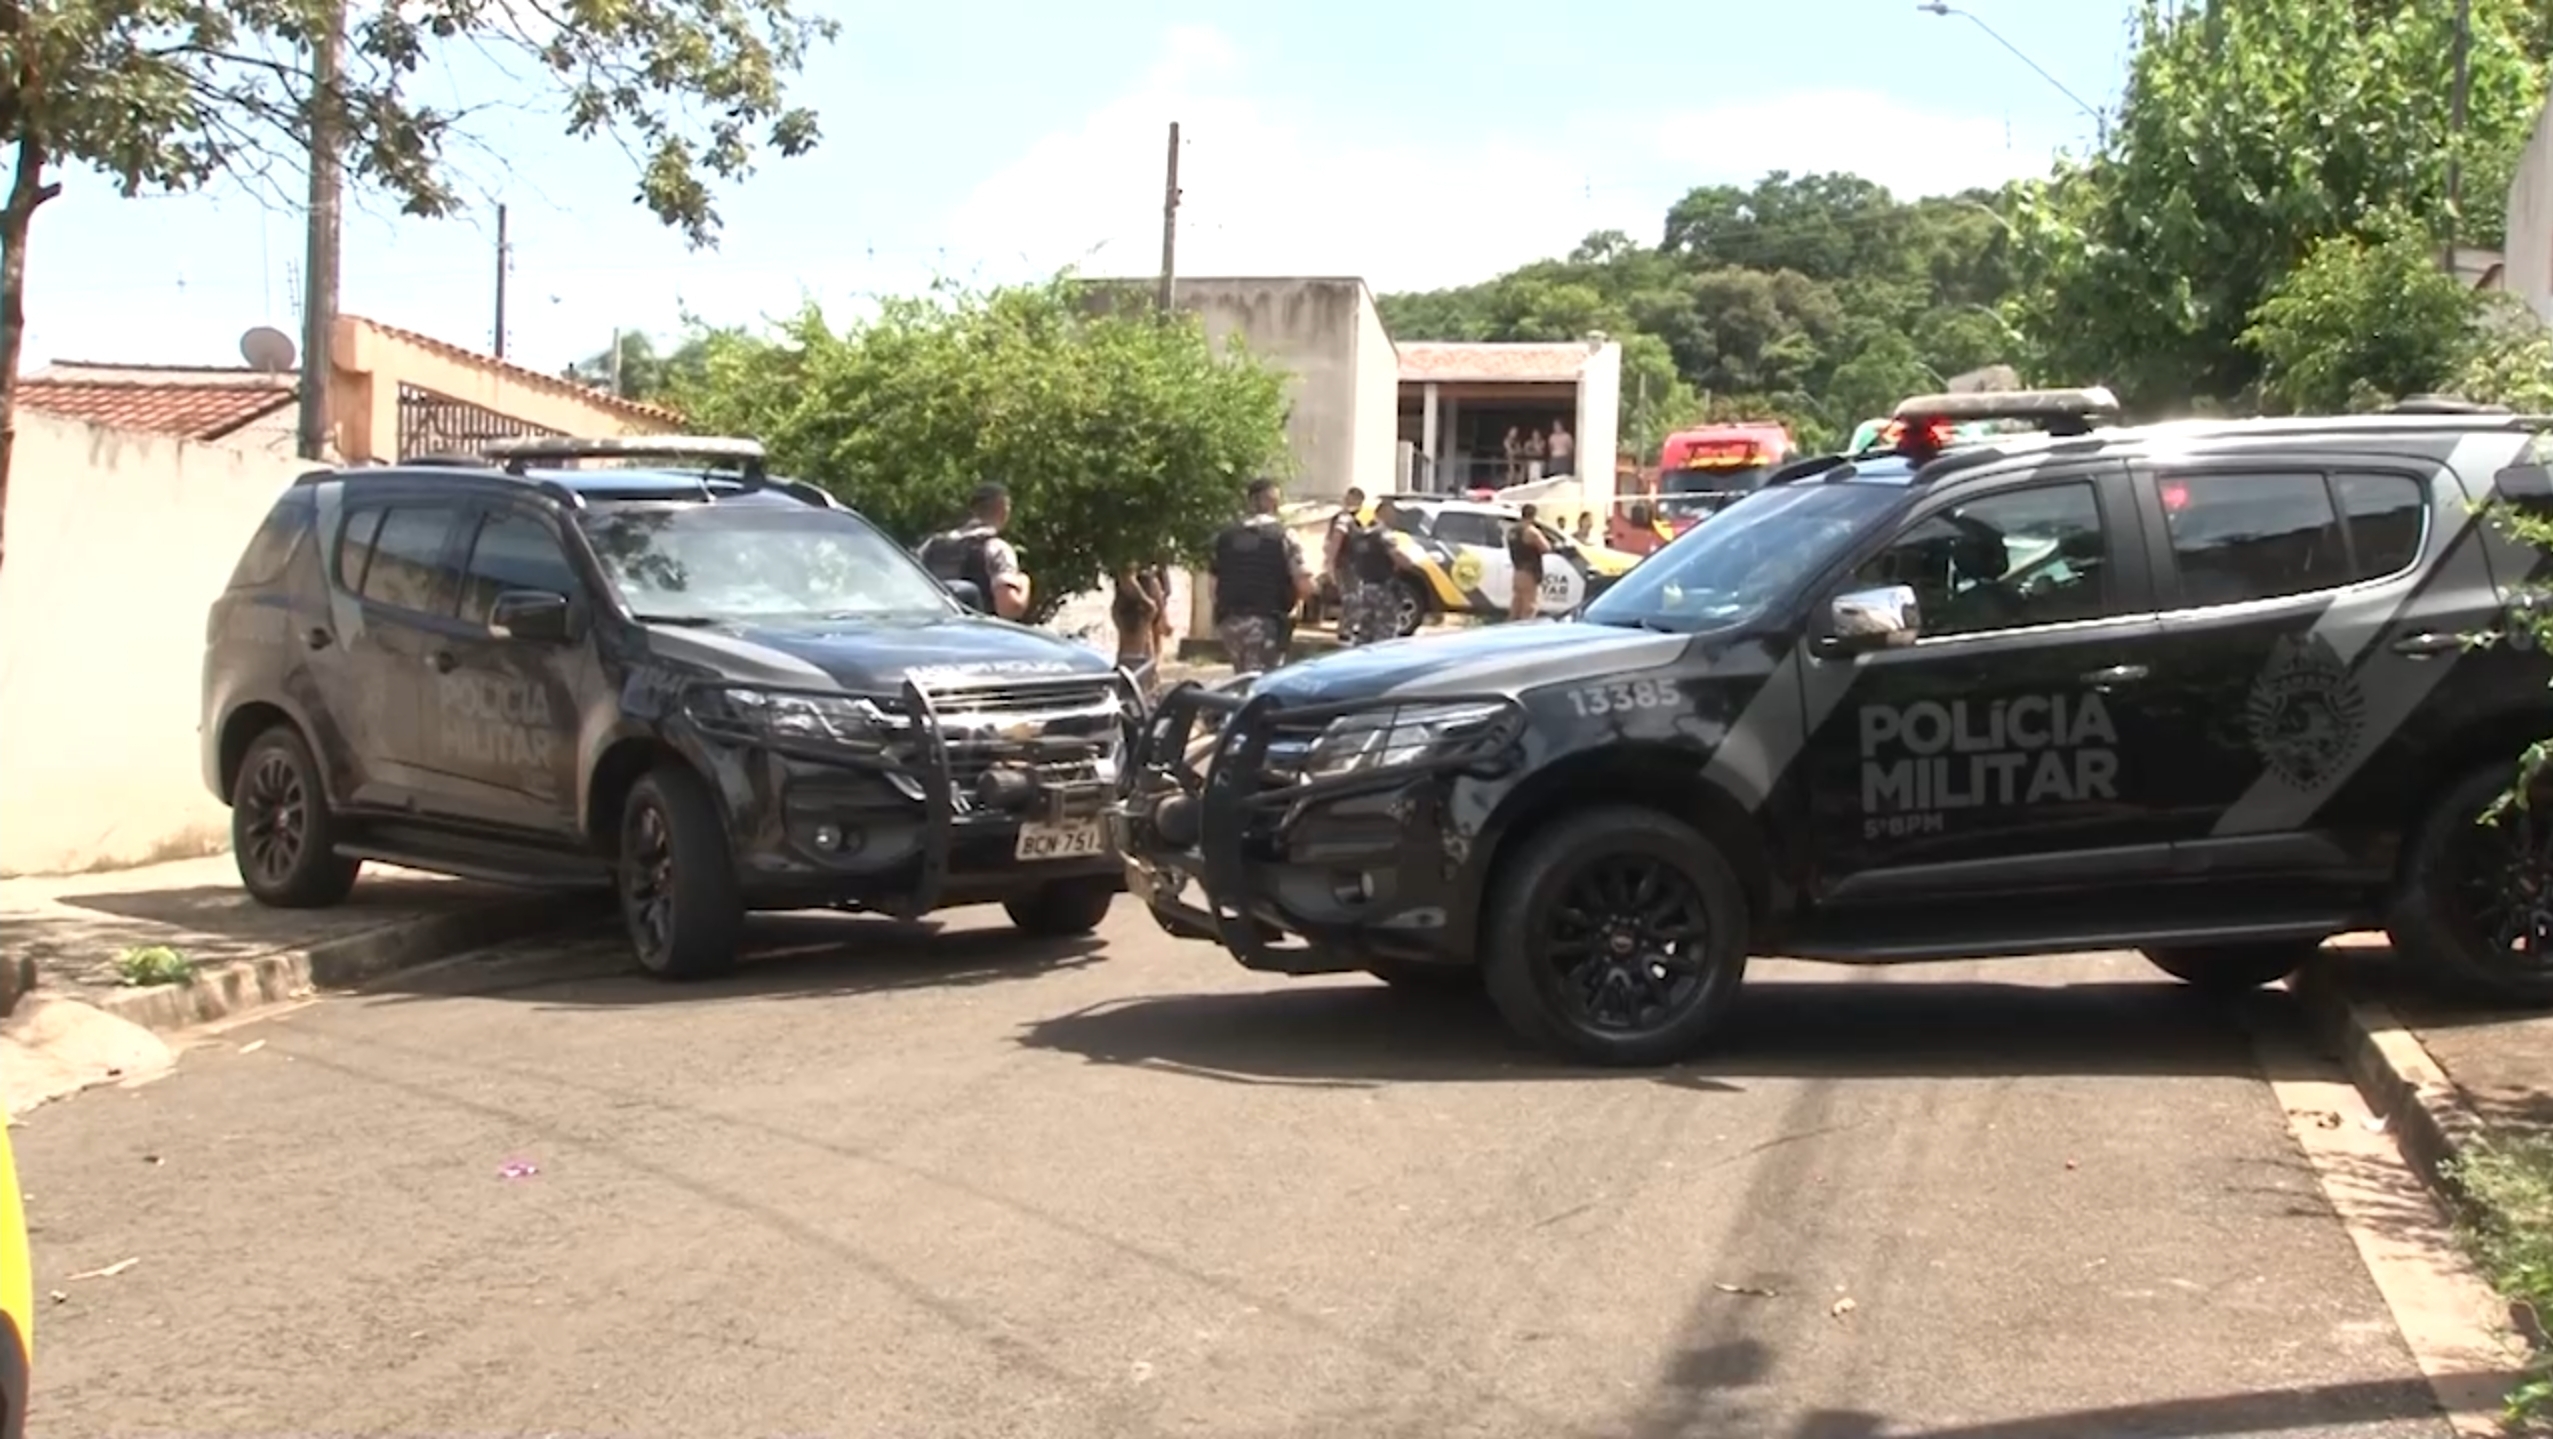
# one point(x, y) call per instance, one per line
point(923, 755)
point(1235, 786)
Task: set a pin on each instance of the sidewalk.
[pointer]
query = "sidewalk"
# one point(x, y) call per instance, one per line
point(241, 953)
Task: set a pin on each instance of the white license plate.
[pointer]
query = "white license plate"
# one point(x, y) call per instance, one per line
point(1086, 840)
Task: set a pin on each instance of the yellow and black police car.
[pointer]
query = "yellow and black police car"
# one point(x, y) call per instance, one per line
point(1457, 564)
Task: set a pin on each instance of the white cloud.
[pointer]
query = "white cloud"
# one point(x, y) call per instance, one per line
point(1269, 194)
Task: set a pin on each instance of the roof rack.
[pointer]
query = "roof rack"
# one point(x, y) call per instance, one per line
point(2443, 405)
point(2059, 412)
point(518, 456)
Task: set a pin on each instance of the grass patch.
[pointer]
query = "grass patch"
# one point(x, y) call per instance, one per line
point(2509, 1182)
point(154, 964)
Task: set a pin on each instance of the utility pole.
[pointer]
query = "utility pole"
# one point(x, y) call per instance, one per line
point(2455, 132)
point(1170, 221)
point(319, 274)
point(615, 367)
point(503, 256)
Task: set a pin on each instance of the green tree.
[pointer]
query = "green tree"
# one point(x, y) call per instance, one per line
point(2361, 321)
point(636, 370)
point(1124, 438)
point(159, 95)
point(2248, 133)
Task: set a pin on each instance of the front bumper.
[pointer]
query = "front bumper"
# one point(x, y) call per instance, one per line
point(985, 791)
point(1227, 835)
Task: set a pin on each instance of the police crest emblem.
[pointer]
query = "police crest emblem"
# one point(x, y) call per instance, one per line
point(2305, 712)
point(1465, 570)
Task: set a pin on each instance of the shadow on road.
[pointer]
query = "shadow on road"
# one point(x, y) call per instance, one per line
point(2269, 1411)
point(798, 955)
point(1360, 1034)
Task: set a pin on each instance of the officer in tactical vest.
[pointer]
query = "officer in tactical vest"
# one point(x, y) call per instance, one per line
point(976, 553)
point(1259, 577)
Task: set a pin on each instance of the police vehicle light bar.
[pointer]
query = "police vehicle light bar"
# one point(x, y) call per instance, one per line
point(518, 455)
point(2080, 405)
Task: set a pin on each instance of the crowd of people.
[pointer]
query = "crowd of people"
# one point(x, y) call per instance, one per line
point(1261, 577)
point(1530, 455)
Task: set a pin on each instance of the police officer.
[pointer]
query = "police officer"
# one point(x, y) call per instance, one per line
point(1368, 610)
point(1259, 577)
point(976, 553)
point(1526, 551)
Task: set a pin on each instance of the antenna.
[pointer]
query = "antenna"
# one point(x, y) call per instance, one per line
point(267, 348)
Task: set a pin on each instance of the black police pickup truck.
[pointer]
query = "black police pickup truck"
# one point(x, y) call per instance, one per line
point(713, 689)
point(2199, 689)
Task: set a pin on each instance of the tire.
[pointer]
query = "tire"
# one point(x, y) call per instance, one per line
point(1536, 888)
point(1409, 607)
point(1432, 980)
point(282, 835)
point(676, 878)
point(2229, 969)
point(1063, 908)
point(2455, 871)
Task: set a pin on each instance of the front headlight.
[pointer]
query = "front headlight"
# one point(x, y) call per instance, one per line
point(787, 717)
point(1404, 735)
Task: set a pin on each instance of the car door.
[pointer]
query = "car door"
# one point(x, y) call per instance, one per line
point(501, 713)
point(1565, 573)
point(2010, 744)
point(1477, 563)
point(2278, 580)
point(392, 576)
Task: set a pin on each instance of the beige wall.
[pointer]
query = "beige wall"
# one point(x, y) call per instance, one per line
point(2529, 249)
point(118, 541)
point(1307, 328)
point(1599, 423)
point(1375, 459)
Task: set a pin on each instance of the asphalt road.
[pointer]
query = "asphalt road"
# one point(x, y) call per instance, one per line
point(897, 1184)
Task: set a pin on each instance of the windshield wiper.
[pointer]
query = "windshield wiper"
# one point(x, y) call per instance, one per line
point(693, 621)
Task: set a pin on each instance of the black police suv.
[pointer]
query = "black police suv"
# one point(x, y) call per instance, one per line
point(2201, 689)
point(712, 689)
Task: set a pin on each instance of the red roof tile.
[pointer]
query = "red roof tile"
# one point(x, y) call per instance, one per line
point(534, 378)
point(1513, 364)
point(198, 411)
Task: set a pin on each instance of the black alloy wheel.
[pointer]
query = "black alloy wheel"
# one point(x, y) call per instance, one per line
point(647, 884)
point(677, 880)
point(274, 819)
point(1625, 944)
point(1617, 935)
point(283, 837)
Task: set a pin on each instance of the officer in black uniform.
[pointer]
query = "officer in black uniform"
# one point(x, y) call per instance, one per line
point(976, 553)
point(1259, 577)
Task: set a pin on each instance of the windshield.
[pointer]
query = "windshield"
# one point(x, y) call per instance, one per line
point(747, 562)
point(1746, 559)
point(1716, 479)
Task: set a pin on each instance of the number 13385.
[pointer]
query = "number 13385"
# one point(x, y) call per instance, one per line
point(1624, 697)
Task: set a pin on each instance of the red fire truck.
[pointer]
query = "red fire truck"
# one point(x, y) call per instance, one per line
point(1699, 471)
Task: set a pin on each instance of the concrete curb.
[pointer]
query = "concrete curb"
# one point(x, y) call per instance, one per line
point(2427, 1115)
point(224, 990)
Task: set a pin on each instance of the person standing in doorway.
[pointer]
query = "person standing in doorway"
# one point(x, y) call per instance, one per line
point(1259, 577)
point(1532, 452)
point(1563, 451)
point(976, 553)
point(1513, 447)
point(1527, 547)
point(1586, 532)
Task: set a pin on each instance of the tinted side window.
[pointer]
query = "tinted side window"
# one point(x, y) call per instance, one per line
point(514, 551)
point(408, 568)
point(2253, 537)
point(2004, 561)
point(272, 547)
point(2388, 519)
point(354, 546)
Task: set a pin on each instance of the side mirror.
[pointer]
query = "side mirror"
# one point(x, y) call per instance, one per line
point(534, 615)
point(970, 596)
point(1878, 618)
point(2526, 488)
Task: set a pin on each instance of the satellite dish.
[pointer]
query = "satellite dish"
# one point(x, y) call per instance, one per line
point(267, 349)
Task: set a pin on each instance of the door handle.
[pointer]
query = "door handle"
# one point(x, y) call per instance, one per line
point(443, 662)
point(2103, 679)
point(317, 637)
point(2427, 644)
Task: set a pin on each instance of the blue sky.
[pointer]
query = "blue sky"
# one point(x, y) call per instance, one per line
point(1414, 142)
